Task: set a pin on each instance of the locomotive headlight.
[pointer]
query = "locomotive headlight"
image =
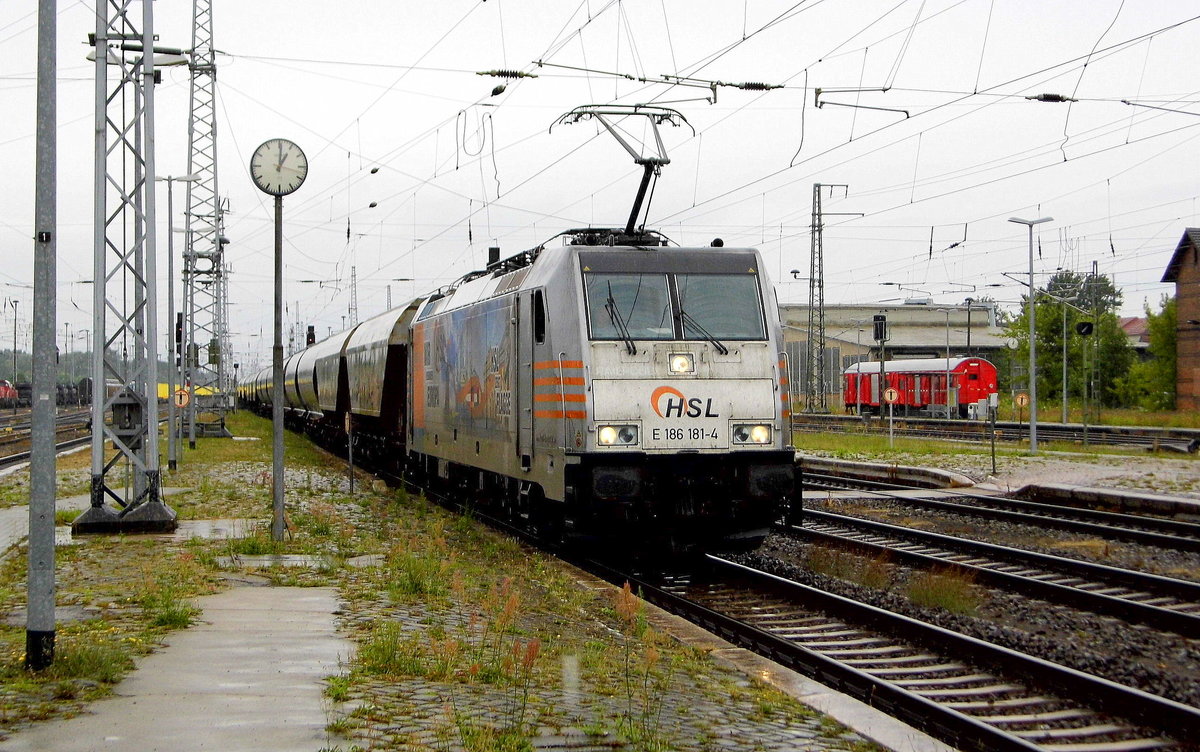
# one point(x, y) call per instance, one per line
point(751, 433)
point(617, 435)
point(682, 363)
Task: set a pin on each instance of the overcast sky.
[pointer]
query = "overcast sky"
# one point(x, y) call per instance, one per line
point(951, 149)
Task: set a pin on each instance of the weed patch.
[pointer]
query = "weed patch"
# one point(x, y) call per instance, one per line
point(945, 589)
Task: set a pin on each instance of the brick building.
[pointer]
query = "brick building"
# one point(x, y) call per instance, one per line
point(1184, 271)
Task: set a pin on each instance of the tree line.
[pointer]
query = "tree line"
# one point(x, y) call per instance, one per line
point(1077, 319)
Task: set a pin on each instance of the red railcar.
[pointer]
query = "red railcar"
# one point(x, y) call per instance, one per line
point(920, 385)
point(8, 393)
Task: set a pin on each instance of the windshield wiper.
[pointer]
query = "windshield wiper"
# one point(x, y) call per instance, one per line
point(618, 321)
point(689, 320)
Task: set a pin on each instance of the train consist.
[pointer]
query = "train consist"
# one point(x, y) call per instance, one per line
point(8, 394)
point(920, 385)
point(611, 386)
point(20, 395)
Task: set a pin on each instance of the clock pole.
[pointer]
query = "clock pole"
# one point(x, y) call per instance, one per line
point(277, 525)
point(278, 167)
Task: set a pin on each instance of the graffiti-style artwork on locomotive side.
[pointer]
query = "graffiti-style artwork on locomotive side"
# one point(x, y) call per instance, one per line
point(466, 372)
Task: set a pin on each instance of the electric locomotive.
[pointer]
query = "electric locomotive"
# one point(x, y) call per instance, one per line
point(610, 387)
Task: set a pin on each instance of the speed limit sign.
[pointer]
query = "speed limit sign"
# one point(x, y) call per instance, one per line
point(891, 395)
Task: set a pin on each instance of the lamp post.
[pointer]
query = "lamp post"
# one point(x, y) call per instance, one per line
point(87, 335)
point(1029, 223)
point(14, 381)
point(947, 312)
point(172, 451)
point(969, 301)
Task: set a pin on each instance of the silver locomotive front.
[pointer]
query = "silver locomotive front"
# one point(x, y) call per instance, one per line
point(688, 429)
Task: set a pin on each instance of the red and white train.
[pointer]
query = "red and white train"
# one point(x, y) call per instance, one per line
point(920, 385)
point(8, 394)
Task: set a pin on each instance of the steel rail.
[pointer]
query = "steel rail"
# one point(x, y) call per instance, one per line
point(938, 718)
point(1131, 605)
point(1050, 516)
point(1183, 439)
point(948, 723)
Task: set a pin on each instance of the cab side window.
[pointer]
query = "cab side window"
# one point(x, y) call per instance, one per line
point(539, 318)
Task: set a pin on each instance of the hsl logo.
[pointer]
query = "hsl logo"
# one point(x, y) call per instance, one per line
point(677, 406)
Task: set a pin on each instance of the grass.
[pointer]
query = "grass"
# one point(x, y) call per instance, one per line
point(873, 572)
point(453, 604)
point(945, 589)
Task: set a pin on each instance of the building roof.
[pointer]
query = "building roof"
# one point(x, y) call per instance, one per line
point(1136, 328)
point(910, 327)
point(1190, 239)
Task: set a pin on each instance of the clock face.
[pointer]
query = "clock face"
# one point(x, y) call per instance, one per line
point(278, 167)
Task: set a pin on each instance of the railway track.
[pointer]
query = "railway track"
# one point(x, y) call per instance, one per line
point(1138, 597)
point(975, 695)
point(968, 692)
point(972, 694)
point(1145, 530)
point(14, 446)
point(975, 431)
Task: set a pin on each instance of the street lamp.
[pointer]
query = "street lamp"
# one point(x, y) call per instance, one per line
point(87, 339)
point(947, 312)
point(1029, 223)
point(14, 381)
point(172, 452)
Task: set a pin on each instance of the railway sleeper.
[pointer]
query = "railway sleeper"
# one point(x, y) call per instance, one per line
point(990, 690)
point(1073, 732)
point(945, 681)
point(908, 658)
point(940, 668)
point(1138, 745)
point(1010, 702)
point(1050, 716)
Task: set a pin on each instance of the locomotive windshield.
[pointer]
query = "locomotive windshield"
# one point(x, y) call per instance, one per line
point(656, 306)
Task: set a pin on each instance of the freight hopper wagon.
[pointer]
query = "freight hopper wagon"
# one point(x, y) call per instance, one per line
point(611, 387)
point(920, 385)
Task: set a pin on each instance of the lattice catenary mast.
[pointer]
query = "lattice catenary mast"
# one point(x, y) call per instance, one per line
point(125, 310)
point(816, 385)
point(206, 369)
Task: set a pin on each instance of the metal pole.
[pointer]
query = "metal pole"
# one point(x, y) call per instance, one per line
point(969, 302)
point(1064, 363)
point(277, 383)
point(1032, 352)
point(1032, 335)
point(99, 271)
point(39, 625)
point(947, 363)
point(172, 458)
point(14, 305)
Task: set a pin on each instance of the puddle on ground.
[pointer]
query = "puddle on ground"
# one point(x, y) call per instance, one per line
point(266, 561)
point(188, 529)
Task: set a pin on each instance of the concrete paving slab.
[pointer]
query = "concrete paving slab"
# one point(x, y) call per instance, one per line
point(247, 678)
